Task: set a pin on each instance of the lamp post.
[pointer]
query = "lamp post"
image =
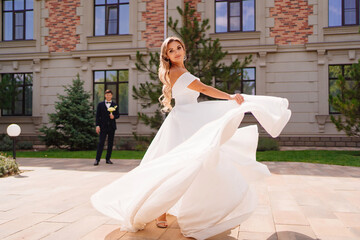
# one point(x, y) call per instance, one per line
point(13, 130)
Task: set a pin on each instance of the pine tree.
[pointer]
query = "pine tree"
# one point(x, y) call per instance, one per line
point(347, 102)
point(8, 91)
point(204, 57)
point(73, 121)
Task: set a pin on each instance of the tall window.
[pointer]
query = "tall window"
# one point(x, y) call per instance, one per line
point(18, 20)
point(111, 17)
point(22, 101)
point(248, 80)
point(343, 12)
point(334, 72)
point(115, 80)
point(234, 15)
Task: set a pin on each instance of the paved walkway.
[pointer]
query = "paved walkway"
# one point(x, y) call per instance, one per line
point(50, 200)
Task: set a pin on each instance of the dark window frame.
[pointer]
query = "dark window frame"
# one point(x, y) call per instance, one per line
point(336, 78)
point(241, 16)
point(23, 86)
point(24, 12)
point(343, 14)
point(107, 9)
point(111, 83)
point(243, 80)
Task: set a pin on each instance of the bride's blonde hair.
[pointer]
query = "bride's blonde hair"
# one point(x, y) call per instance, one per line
point(164, 68)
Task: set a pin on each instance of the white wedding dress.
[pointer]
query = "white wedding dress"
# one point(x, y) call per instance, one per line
point(199, 167)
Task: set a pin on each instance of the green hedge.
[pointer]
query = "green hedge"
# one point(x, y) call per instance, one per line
point(8, 166)
point(6, 144)
point(267, 144)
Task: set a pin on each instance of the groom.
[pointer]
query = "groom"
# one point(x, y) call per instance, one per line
point(106, 125)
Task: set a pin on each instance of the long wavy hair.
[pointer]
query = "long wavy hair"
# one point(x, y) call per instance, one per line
point(164, 68)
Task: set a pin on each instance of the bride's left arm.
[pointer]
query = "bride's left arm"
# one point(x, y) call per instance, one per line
point(213, 92)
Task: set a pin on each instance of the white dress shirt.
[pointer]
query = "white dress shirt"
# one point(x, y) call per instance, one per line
point(107, 104)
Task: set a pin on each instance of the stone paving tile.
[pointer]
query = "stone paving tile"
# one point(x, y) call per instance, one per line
point(232, 234)
point(284, 205)
point(22, 223)
point(111, 220)
point(330, 229)
point(336, 202)
point(16, 212)
point(51, 200)
point(150, 232)
point(3, 220)
point(289, 217)
point(78, 229)
point(174, 225)
point(307, 198)
point(294, 232)
point(349, 219)
point(37, 231)
point(262, 192)
point(355, 231)
point(74, 214)
point(352, 197)
point(106, 231)
point(257, 236)
point(132, 237)
point(260, 221)
point(172, 233)
point(318, 212)
point(7, 200)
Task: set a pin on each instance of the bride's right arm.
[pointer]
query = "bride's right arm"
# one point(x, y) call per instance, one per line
point(213, 92)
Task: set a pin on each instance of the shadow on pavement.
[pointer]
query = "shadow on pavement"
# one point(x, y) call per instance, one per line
point(120, 165)
point(312, 169)
point(125, 165)
point(290, 235)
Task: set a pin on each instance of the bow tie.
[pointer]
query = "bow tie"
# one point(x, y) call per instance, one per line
point(108, 102)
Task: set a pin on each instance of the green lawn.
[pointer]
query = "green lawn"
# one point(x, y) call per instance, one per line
point(345, 158)
point(78, 154)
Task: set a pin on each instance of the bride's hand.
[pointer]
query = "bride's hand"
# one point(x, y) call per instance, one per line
point(237, 97)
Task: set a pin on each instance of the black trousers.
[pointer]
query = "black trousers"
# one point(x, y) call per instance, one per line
point(110, 132)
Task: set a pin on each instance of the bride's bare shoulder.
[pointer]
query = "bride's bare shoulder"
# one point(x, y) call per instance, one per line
point(175, 73)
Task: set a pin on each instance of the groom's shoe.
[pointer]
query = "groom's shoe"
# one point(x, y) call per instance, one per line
point(109, 162)
point(96, 162)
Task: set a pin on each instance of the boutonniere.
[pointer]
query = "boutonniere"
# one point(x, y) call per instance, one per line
point(111, 109)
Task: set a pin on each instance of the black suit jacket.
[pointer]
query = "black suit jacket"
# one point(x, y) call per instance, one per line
point(103, 116)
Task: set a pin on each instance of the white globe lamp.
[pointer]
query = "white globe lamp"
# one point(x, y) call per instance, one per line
point(13, 130)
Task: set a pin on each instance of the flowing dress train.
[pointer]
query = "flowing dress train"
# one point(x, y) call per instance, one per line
point(199, 167)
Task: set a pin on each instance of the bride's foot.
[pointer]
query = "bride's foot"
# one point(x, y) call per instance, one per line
point(161, 224)
point(161, 221)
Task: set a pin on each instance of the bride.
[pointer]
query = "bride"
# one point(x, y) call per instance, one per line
point(200, 166)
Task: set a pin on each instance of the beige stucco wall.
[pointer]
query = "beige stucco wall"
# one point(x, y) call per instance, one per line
point(297, 72)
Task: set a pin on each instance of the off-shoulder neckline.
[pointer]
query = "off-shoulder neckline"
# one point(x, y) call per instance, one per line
point(179, 78)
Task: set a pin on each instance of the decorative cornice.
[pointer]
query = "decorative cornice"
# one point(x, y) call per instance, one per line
point(24, 56)
point(236, 35)
point(109, 39)
point(108, 52)
point(321, 56)
point(18, 44)
point(250, 49)
point(341, 30)
point(321, 120)
point(333, 45)
point(74, 54)
point(21, 119)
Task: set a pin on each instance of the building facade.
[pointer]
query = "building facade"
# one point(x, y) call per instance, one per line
point(298, 48)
